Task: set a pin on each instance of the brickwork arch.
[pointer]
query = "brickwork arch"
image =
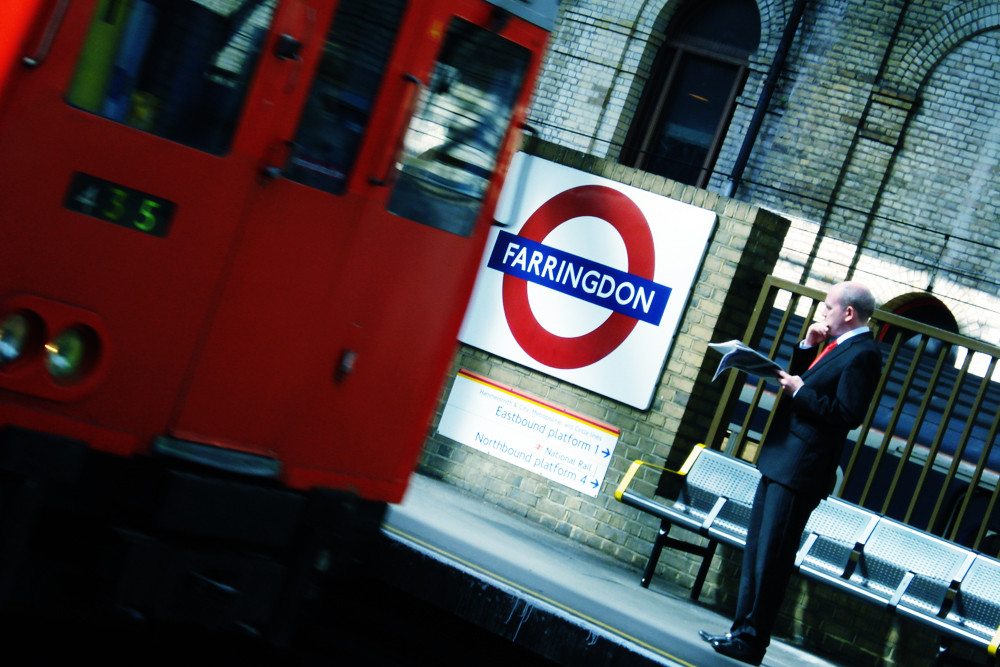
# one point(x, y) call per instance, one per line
point(773, 16)
point(974, 312)
point(950, 28)
point(971, 319)
point(657, 14)
point(923, 307)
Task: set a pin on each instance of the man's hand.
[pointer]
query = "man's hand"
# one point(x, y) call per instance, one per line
point(790, 383)
point(817, 333)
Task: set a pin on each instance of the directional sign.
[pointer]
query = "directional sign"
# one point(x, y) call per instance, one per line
point(525, 431)
point(588, 280)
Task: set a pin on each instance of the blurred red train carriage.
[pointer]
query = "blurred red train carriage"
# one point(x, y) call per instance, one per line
point(237, 238)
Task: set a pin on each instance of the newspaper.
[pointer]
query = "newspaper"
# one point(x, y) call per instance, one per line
point(737, 355)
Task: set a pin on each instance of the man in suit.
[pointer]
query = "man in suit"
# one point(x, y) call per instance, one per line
point(826, 392)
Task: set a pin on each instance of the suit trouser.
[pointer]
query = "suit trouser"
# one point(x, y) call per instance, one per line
point(777, 520)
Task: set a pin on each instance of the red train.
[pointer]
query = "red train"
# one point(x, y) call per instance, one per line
point(237, 238)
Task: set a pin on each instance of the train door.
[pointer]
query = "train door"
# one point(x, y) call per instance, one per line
point(341, 311)
point(129, 134)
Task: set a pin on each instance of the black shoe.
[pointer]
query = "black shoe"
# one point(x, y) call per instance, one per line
point(736, 648)
point(707, 636)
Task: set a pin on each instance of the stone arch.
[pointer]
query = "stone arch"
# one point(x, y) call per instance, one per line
point(923, 307)
point(773, 17)
point(655, 18)
point(961, 22)
point(920, 307)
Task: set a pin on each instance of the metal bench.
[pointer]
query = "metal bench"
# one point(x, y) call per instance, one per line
point(912, 573)
point(974, 614)
point(908, 570)
point(834, 539)
point(714, 494)
point(927, 579)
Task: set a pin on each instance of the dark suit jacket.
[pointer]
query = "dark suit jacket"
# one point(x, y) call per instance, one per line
point(804, 444)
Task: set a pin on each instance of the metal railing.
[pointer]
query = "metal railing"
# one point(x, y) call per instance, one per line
point(926, 452)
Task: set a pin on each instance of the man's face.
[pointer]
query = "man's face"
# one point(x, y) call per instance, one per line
point(835, 317)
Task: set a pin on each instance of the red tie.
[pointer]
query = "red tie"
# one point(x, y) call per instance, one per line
point(823, 353)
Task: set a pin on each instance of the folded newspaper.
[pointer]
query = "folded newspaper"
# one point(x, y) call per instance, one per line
point(737, 355)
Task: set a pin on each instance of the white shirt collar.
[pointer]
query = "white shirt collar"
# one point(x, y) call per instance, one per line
point(850, 334)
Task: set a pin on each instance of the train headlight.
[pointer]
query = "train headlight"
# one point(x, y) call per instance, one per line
point(71, 353)
point(16, 331)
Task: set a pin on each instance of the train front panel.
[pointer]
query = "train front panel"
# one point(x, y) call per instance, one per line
point(251, 225)
point(237, 240)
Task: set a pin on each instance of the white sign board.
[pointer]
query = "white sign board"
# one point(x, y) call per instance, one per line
point(588, 280)
point(553, 442)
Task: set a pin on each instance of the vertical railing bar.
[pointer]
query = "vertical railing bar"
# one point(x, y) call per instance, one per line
point(865, 426)
point(805, 325)
point(956, 460)
point(890, 428)
point(714, 432)
point(974, 483)
point(917, 423)
point(984, 524)
point(966, 436)
point(932, 453)
point(735, 381)
point(897, 344)
point(869, 418)
point(761, 385)
point(754, 336)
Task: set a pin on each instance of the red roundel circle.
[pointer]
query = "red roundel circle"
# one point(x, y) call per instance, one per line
point(622, 213)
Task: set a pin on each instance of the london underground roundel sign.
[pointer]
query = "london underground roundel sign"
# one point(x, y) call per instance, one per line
point(588, 348)
point(588, 280)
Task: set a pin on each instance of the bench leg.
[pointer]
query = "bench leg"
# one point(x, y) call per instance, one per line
point(706, 562)
point(707, 553)
point(654, 555)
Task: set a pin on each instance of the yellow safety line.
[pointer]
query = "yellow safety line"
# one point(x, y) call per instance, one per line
point(535, 594)
point(995, 643)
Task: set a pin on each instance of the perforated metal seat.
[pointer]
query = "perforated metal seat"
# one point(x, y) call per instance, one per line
point(910, 569)
point(975, 613)
point(834, 537)
point(716, 477)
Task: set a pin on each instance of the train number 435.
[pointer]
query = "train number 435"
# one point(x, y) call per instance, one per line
point(119, 204)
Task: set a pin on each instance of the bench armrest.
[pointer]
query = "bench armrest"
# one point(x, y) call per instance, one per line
point(901, 589)
point(632, 469)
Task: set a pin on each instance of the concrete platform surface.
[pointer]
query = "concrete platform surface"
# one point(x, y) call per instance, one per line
point(555, 596)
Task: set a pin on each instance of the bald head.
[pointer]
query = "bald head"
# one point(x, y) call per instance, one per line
point(857, 296)
point(847, 306)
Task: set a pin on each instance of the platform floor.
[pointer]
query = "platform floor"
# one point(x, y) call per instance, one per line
point(544, 591)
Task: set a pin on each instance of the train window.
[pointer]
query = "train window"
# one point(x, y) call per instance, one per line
point(177, 68)
point(451, 146)
point(340, 102)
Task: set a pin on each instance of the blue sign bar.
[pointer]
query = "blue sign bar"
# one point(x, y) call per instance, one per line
point(580, 277)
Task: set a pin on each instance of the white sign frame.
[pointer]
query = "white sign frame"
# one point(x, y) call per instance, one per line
point(525, 431)
point(534, 188)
